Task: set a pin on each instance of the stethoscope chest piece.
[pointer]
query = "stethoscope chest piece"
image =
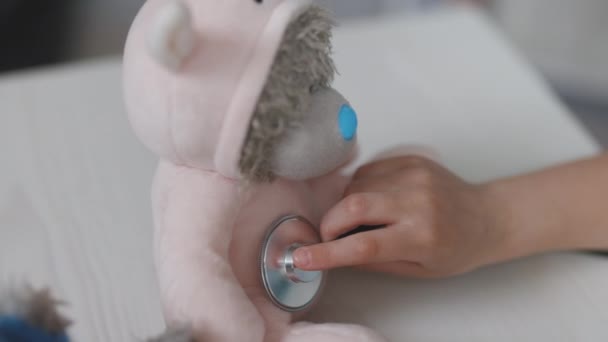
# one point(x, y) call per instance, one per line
point(289, 288)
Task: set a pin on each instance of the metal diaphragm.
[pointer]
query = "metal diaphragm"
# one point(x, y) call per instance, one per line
point(290, 288)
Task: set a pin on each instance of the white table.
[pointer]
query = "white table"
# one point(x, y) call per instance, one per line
point(74, 210)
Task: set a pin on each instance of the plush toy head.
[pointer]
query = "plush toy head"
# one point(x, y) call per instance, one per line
point(240, 87)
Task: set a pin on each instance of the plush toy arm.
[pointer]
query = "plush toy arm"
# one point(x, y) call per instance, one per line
point(195, 213)
point(304, 332)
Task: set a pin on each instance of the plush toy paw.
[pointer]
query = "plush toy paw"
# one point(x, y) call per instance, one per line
point(173, 335)
point(28, 315)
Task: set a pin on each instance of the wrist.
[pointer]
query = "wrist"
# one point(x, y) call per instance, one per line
point(519, 220)
point(498, 220)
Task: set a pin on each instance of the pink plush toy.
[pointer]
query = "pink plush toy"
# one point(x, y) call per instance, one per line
point(235, 98)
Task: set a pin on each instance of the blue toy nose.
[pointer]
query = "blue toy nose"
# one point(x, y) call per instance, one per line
point(348, 123)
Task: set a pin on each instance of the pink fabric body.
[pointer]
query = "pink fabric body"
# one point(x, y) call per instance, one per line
point(209, 232)
point(209, 226)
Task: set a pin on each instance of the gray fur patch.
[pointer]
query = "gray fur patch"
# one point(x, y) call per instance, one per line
point(303, 63)
point(43, 312)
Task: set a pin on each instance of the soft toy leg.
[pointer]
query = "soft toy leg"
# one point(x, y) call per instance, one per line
point(195, 213)
point(306, 332)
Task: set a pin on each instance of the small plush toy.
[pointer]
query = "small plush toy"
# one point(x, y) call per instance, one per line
point(27, 315)
point(234, 96)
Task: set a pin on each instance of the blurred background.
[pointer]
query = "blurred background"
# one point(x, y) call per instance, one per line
point(567, 41)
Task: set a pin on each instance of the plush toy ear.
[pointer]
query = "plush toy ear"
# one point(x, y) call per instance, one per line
point(171, 39)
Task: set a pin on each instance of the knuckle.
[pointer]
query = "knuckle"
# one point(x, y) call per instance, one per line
point(363, 170)
point(415, 161)
point(421, 175)
point(322, 258)
point(427, 238)
point(429, 201)
point(356, 186)
point(356, 204)
point(394, 203)
point(365, 247)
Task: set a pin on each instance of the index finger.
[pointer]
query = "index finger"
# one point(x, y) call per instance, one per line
point(360, 209)
point(379, 246)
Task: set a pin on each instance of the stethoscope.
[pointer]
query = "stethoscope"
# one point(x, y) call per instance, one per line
point(288, 287)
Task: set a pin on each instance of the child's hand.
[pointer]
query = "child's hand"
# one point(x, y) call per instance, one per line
point(436, 224)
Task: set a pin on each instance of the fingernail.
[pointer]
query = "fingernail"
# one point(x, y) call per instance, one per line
point(302, 258)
